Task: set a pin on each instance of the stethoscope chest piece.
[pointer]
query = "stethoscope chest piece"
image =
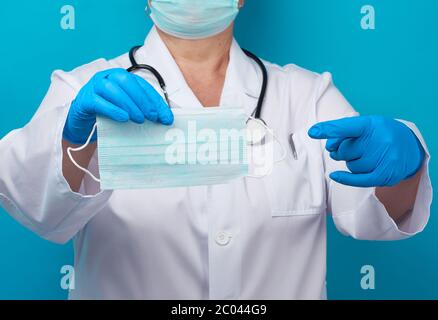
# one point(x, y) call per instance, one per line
point(256, 131)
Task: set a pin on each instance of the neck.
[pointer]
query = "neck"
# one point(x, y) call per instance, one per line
point(211, 54)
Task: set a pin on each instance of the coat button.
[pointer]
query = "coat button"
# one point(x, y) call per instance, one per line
point(223, 238)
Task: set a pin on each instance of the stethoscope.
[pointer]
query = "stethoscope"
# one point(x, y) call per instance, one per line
point(255, 122)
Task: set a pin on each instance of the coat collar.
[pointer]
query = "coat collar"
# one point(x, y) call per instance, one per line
point(243, 74)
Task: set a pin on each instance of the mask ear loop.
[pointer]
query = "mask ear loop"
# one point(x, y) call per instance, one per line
point(284, 152)
point(87, 143)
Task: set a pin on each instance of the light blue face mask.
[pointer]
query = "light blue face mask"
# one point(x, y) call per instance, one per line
point(202, 147)
point(194, 19)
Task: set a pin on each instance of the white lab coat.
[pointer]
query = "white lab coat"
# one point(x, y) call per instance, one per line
point(248, 239)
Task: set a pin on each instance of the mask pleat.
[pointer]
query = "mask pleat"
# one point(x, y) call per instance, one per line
point(203, 147)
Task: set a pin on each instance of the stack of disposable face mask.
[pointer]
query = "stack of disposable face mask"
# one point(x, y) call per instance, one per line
point(203, 147)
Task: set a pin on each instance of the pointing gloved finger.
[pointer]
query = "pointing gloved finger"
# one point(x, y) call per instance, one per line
point(343, 128)
point(111, 92)
point(105, 108)
point(157, 104)
point(350, 149)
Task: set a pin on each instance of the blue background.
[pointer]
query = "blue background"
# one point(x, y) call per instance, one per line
point(391, 70)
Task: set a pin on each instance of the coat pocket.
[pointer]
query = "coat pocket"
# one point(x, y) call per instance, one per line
point(296, 186)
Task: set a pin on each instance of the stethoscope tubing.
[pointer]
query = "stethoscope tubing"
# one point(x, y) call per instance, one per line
point(257, 112)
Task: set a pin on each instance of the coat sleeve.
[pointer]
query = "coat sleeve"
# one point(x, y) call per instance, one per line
point(33, 189)
point(357, 212)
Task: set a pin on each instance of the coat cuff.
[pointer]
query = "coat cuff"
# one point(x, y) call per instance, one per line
point(371, 221)
point(417, 220)
point(90, 199)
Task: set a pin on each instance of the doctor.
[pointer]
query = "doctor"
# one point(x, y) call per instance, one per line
point(247, 239)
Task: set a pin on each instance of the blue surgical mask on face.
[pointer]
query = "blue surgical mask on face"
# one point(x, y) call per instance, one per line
point(202, 147)
point(194, 19)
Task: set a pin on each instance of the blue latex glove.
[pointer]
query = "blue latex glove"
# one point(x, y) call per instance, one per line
point(379, 151)
point(118, 95)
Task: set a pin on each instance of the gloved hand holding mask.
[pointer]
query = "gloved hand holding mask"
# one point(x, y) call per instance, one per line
point(117, 95)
